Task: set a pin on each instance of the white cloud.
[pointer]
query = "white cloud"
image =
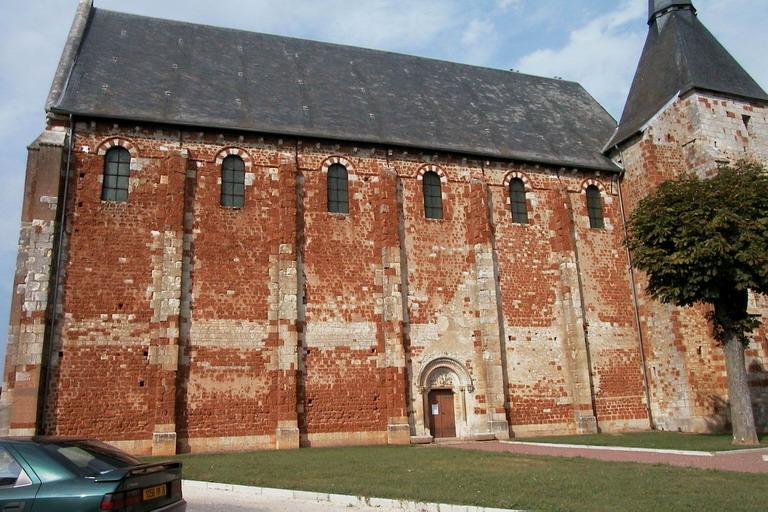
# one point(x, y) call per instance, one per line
point(510, 4)
point(602, 55)
point(479, 41)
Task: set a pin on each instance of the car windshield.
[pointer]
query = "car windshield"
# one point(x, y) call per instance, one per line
point(89, 458)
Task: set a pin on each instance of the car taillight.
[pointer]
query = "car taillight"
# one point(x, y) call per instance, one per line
point(176, 489)
point(121, 500)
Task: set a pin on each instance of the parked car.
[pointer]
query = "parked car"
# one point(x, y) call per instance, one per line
point(73, 475)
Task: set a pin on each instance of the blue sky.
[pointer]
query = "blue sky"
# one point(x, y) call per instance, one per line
point(594, 42)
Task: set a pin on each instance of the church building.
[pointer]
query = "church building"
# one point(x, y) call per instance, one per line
point(238, 241)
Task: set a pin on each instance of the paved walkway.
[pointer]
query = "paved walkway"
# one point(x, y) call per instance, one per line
point(217, 501)
point(213, 497)
point(745, 461)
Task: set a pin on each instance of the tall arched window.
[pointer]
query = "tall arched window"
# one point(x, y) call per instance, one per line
point(433, 196)
point(338, 189)
point(595, 208)
point(117, 170)
point(233, 182)
point(517, 200)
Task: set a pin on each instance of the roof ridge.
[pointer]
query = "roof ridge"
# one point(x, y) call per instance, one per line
point(141, 69)
point(339, 45)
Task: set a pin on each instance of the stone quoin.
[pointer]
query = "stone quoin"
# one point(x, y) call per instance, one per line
point(212, 302)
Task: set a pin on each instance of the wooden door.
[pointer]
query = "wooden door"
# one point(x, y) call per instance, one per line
point(442, 421)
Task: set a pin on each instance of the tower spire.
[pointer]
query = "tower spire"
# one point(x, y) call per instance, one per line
point(680, 55)
point(658, 8)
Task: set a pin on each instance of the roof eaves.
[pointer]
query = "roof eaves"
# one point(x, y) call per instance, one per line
point(609, 166)
point(618, 139)
point(693, 87)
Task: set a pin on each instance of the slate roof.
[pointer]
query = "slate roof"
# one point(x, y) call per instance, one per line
point(680, 55)
point(146, 69)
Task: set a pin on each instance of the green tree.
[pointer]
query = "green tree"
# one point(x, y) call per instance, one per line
point(705, 241)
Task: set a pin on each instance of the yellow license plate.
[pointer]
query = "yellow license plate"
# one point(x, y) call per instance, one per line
point(154, 492)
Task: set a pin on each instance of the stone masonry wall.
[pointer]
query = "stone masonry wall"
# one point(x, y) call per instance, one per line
point(572, 350)
point(25, 356)
point(695, 133)
point(353, 385)
point(117, 348)
point(192, 327)
point(228, 386)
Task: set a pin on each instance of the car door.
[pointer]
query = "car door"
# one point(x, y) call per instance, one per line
point(18, 483)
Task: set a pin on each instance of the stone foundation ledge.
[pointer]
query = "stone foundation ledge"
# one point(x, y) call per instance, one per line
point(336, 499)
point(483, 436)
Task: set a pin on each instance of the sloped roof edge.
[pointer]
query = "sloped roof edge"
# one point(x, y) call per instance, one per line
point(177, 73)
point(680, 55)
point(69, 53)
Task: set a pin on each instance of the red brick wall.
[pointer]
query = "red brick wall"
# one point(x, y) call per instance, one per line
point(283, 312)
point(614, 349)
point(538, 388)
point(556, 275)
point(345, 387)
point(228, 386)
point(103, 382)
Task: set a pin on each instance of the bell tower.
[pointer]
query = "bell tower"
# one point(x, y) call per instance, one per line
point(691, 108)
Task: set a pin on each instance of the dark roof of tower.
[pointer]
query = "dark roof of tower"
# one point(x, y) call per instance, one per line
point(657, 7)
point(145, 69)
point(680, 55)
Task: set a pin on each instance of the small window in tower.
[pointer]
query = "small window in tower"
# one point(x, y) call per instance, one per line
point(233, 182)
point(117, 170)
point(433, 196)
point(746, 119)
point(338, 189)
point(595, 208)
point(518, 202)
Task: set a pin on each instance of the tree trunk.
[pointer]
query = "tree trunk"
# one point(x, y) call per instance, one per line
point(742, 417)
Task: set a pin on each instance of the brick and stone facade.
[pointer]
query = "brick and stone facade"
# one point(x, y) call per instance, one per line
point(686, 367)
point(169, 323)
point(280, 324)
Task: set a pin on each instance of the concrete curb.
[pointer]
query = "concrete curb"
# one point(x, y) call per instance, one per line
point(692, 453)
point(742, 452)
point(336, 499)
point(617, 449)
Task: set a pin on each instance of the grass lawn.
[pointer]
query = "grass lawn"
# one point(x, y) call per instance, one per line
point(660, 440)
point(468, 477)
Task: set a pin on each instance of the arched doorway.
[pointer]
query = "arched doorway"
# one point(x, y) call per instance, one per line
point(444, 384)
